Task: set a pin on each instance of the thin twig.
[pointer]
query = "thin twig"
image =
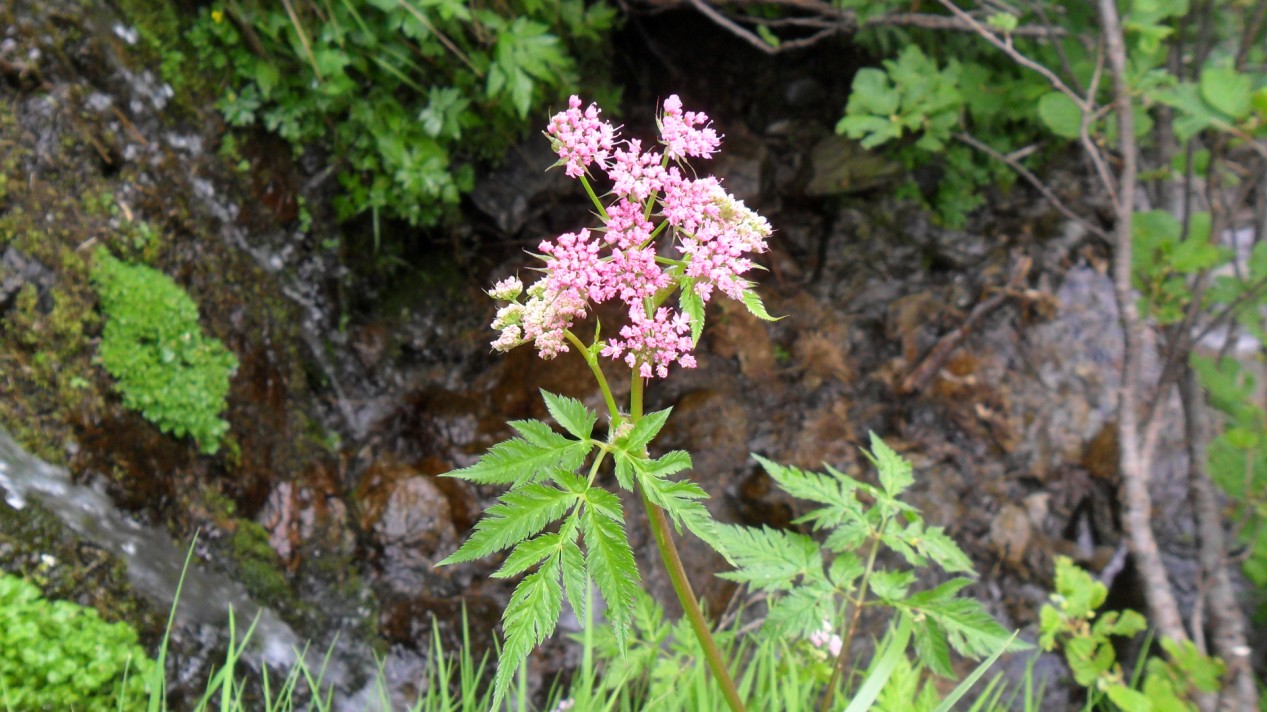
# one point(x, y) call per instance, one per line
point(1033, 180)
point(1015, 54)
point(920, 376)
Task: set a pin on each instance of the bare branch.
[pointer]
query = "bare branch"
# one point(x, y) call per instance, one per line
point(1015, 54)
point(1135, 460)
point(1038, 185)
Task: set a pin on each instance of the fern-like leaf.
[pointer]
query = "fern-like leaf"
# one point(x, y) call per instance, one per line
point(681, 501)
point(611, 563)
point(895, 470)
point(530, 617)
point(522, 513)
point(643, 432)
point(571, 414)
point(971, 631)
point(801, 611)
point(527, 458)
point(771, 559)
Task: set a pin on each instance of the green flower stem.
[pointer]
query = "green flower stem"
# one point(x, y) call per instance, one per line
point(602, 211)
point(677, 574)
point(635, 396)
point(842, 660)
point(690, 605)
point(598, 373)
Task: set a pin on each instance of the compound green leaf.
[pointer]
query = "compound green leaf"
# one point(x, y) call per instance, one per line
point(522, 512)
point(530, 618)
point(611, 563)
point(525, 459)
point(895, 471)
point(771, 559)
point(571, 414)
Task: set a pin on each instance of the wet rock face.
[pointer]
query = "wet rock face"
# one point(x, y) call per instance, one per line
point(411, 524)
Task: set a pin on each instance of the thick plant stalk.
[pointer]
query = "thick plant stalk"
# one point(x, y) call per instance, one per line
point(663, 535)
point(1135, 461)
point(1229, 623)
point(690, 604)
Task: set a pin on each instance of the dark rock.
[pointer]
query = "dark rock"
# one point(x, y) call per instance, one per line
point(18, 270)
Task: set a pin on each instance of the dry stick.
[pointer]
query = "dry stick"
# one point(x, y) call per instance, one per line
point(832, 21)
point(918, 379)
point(1136, 499)
point(303, 38)
point(1034, 181)
point(1229, 629)
point(1252, 28)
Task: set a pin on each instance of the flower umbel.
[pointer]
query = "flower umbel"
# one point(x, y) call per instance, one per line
point(712, 234)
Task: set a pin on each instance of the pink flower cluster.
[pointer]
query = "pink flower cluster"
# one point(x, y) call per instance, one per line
point(712, 232)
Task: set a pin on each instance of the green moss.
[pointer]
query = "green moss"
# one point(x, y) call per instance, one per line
point(258, 566)
point(166, 367)
point(57, 655)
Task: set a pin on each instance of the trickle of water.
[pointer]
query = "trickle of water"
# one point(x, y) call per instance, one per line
point(154, 562)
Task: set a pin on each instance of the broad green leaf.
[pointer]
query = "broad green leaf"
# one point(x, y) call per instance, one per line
point(1081, 593)
point(1126, 623)
point(611, 562)
point(571, 414)
point(1226, 90)
point(771, 559)
point(522, 512)
point(895, 471)
point(1060, 115)
point(530, 618)
point(1203, 671)
point(872, 94)
point(1088, 659)
point(1129, 700)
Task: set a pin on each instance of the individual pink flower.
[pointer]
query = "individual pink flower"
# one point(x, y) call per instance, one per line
point(716, 253)
point(653, 344)
point(636, 174)
point(634, 275)
point(573, 263)
point(687, 203)
point(545, 317)
point(580, 139)
point(686, 134)
point(825, 638)
point(626, 226)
